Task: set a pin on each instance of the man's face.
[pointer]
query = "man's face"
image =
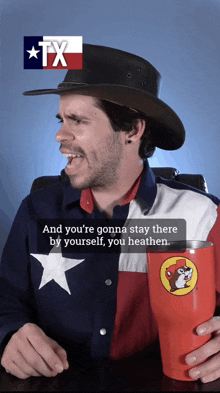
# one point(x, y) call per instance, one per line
point(94, 148)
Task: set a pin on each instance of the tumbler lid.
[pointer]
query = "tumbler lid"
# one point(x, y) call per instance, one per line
point(182, 245)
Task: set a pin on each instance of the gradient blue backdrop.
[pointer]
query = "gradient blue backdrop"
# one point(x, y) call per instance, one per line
point(179, 37)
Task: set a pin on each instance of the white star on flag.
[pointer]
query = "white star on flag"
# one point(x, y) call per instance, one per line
point(33, 52)
point(55, 266)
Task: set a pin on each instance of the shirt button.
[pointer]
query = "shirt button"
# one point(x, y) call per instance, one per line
point(112, 234)
point(108, 282)
point(103, 331)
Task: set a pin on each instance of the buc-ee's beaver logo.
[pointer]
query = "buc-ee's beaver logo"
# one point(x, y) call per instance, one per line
point(178, 275)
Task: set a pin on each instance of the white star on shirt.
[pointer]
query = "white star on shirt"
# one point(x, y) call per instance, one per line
point(55, 266)
point(33, 52)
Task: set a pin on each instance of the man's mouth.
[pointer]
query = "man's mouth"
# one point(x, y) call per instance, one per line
point(73, 160)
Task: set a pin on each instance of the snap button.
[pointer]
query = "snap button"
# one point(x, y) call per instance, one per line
point(108, 282)
point(103, 331)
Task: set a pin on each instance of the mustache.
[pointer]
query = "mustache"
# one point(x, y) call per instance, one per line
point(75, 150)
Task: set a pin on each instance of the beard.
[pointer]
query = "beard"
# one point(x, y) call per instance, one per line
point(103, 165)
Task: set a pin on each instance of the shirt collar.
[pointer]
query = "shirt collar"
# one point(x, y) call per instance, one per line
point(144, 188)
point(71, 195)
point(87, 201)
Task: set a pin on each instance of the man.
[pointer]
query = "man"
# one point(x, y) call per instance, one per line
point(94, 303)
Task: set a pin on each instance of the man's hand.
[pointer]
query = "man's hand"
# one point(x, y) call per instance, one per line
point(210, 369)
point(31, 353)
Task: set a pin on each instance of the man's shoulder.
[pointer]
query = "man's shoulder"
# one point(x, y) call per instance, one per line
point(179, 188)
point(50, 199)
point(53, 190)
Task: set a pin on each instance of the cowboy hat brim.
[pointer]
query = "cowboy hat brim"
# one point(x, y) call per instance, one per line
point(169, 132)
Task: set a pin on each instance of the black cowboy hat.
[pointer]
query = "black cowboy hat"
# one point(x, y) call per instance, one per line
point(125, 79)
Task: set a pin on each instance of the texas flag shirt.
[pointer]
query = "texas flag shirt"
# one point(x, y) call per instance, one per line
point(53, 52)
point(97, 301)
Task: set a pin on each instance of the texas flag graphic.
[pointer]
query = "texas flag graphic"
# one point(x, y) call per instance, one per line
point(53, 53)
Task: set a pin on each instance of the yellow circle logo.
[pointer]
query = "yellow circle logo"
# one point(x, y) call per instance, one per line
point(179, 275)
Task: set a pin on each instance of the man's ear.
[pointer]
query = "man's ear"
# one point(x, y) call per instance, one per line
point(136, 133)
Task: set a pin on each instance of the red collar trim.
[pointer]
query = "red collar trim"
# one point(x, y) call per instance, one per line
point(131, 194)
point(87, 201)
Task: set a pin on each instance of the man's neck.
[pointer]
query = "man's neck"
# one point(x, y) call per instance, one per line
point(106, 199)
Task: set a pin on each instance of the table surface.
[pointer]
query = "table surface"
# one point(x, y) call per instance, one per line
point(131, 374)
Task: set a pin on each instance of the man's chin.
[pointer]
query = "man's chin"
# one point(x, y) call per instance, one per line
point(95, 182)
point(77, 184)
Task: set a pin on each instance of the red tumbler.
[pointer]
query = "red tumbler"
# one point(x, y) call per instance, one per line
point(182, 292)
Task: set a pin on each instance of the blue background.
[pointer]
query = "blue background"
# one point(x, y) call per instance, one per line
point(179, 37)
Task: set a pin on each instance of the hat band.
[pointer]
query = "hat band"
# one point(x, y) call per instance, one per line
point(70, 84)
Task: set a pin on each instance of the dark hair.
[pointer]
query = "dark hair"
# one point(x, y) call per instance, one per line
point(123, 118)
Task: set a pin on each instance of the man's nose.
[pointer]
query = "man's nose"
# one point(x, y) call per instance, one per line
point(64, 134)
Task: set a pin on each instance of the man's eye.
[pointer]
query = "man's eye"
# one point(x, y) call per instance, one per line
point(77, 121)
